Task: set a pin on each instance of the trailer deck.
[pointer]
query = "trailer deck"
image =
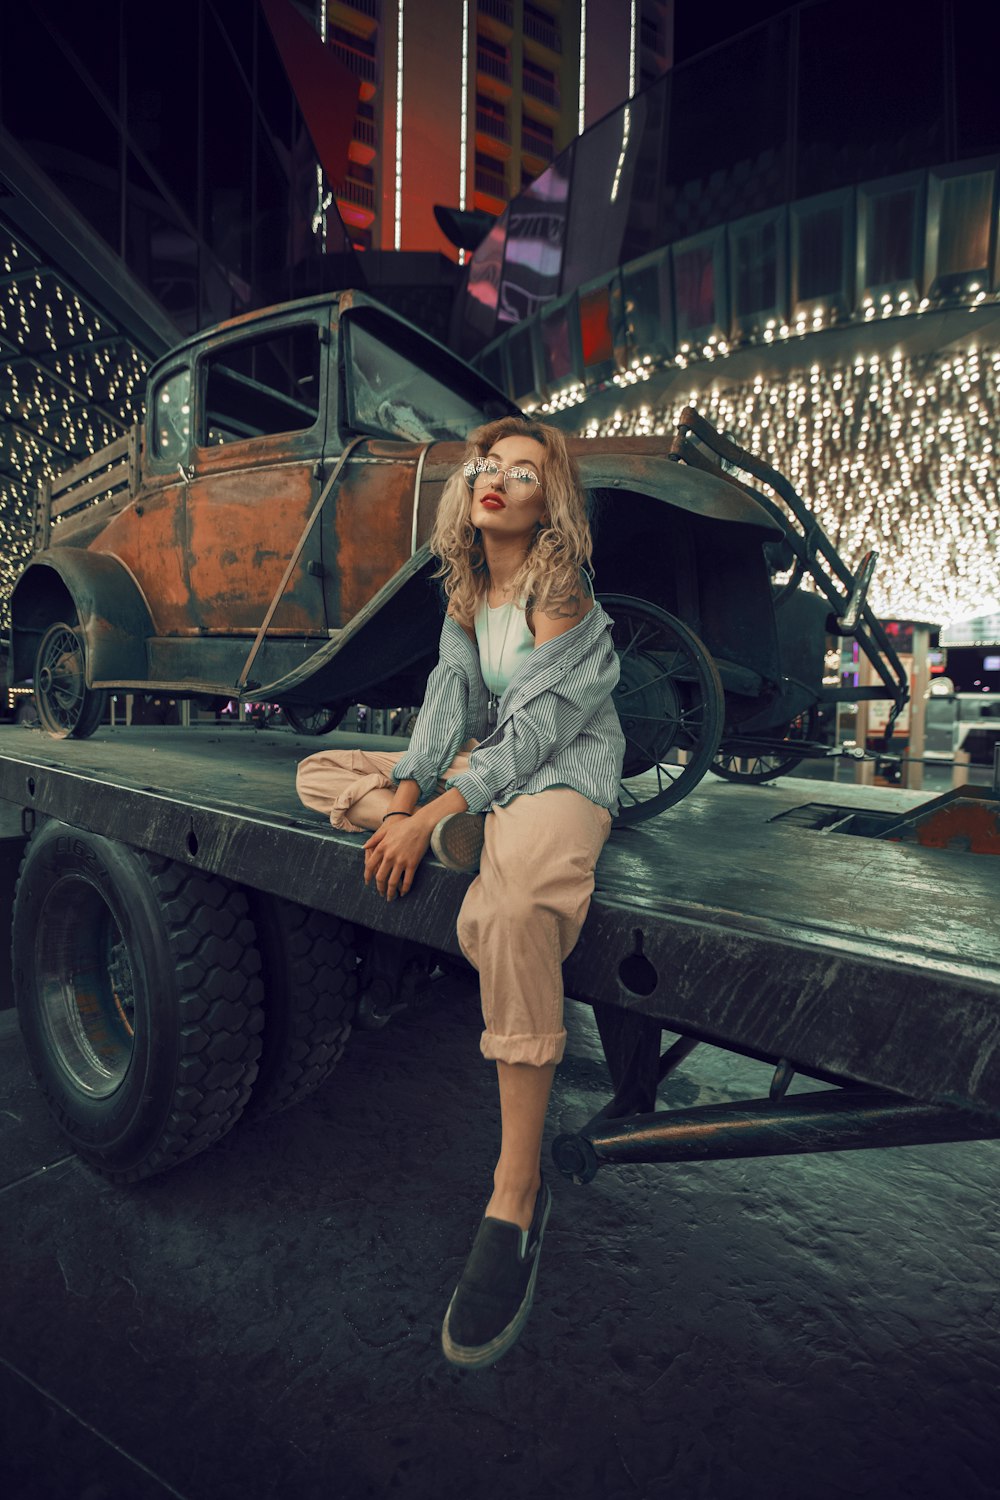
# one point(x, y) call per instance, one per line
point(848, 957)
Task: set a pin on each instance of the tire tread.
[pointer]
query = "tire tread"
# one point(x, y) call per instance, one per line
point(221, 1006)
point(310, 973)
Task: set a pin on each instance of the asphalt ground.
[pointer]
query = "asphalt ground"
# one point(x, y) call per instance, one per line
point(264, 1320)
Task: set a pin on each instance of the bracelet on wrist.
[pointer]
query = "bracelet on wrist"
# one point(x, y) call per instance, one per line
point(398, 814)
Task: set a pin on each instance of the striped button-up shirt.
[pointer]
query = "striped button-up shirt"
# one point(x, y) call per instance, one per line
point(556, 723)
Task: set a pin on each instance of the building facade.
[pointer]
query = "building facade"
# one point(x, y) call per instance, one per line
point(465, 102)
point(804, 243)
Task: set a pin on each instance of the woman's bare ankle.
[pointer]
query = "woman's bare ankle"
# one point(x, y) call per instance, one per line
point(514, 1200)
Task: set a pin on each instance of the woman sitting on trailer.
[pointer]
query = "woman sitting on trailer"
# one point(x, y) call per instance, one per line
point(513, 769)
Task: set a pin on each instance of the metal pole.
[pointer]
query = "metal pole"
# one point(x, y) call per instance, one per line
point(864, 770)
point(920, 677)
point(824, 1120)
point(960, 769)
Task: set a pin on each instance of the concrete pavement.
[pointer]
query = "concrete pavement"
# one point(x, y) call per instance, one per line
point(263, 1321)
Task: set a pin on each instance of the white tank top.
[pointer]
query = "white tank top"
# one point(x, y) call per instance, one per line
point(504, 642)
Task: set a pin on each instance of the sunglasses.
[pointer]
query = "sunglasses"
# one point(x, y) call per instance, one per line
point(516, 481)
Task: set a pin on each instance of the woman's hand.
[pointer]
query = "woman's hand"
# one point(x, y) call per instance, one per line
point(393, 853)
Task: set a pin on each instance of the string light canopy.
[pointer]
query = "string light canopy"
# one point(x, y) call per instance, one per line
point(70, 383)
point(892, 452)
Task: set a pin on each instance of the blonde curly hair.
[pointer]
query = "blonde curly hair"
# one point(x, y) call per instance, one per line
point(561, 548)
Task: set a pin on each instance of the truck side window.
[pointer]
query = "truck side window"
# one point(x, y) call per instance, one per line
point(262, 386)
point(171, 414)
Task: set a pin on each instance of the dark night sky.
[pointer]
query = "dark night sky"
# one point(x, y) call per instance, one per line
point(704, 23)
point(917, 39)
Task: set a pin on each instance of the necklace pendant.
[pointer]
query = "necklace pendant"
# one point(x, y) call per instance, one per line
point(492, 704)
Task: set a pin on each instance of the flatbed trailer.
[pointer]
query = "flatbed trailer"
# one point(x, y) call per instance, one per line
point(764, 920)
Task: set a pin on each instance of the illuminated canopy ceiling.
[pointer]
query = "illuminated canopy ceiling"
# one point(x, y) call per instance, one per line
point(893, 452)
point(70, 382)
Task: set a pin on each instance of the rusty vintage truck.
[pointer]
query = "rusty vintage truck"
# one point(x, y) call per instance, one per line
point(263, 534)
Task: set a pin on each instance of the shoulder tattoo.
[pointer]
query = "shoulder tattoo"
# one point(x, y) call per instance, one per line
point(565, 609)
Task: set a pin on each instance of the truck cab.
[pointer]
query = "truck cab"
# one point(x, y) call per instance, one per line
point(160, 558)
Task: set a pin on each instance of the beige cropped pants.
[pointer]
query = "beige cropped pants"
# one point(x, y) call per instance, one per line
point(523, 912)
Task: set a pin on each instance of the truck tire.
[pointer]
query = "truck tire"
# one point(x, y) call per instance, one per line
point(67, 707)
point(310, 974)
point(314, 721)
point(138, 989)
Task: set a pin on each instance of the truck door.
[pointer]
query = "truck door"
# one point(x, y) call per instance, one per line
point(148, 537)
point(255, 476)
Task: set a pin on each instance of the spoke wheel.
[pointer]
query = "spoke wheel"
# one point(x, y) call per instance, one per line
point(747, 766)
point(322, 720)
point(670, 702)
point(67, 708)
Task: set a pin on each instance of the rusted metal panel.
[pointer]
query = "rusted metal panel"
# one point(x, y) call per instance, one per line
point(388, 647)
point(213, 663)
point(240, 528)
point(965, 820)
point(148, 537)
point(970, 826)
point(367, 529)
point(643, 465)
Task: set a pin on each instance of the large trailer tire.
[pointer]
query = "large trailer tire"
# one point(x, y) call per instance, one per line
point(138, 988)
point(310, 972)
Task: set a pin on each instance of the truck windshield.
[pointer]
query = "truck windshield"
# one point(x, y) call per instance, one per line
point(420, 393)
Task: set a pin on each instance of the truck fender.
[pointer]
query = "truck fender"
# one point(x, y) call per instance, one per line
point(100, 594)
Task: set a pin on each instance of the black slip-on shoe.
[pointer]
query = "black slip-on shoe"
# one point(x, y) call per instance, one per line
point(458, 840)
point(492, 1301)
